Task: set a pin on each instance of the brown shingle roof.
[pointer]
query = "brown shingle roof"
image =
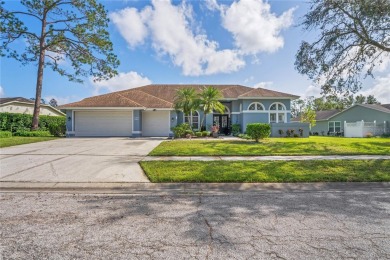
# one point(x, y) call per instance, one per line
point(19, 99)
point(320, 115)
point(162, 96)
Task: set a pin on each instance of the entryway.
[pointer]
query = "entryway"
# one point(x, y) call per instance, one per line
point(223, 121)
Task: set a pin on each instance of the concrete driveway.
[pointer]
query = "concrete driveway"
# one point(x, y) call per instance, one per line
point(76, 160)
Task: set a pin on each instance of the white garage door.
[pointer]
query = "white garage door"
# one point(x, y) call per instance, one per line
point(103, 123)
point(155, 123)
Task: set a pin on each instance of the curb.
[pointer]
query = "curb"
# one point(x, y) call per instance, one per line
point(190, 188)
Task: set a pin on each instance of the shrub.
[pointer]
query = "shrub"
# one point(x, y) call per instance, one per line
point(180, 130)
point(296, 135)
point(258, 131)
point(205, 133)
point(288, 132)
point(369, 135)
point(14, 122)
point(189, 132)
point(236, 129)
point(281, 132)
point(57, 129)
point(27, 133)
point(5, 134)
point(198, 134)
point(300, 131)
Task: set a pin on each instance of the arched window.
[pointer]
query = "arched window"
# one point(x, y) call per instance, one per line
point(194, 116)
point(277, 113)
point(255, 106)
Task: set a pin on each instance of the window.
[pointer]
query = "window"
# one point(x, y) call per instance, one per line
point(227, 111)
point(277, 113)
point(256, 106)
point(195, 119)
point(334, 126)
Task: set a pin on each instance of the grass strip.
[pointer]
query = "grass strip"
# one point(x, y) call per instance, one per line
point(18, 140)
point(268, 171)
point(275, 146)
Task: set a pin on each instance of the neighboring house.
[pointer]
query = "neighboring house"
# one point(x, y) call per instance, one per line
point(26, 106)
point(149, 110)
point(332, 121)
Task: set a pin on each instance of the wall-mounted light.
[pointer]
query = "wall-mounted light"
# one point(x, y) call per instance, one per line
point(69, 118)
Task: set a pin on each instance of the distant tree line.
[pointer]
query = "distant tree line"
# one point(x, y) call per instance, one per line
point(329, 102)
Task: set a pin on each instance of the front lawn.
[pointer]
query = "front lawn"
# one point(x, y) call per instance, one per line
point(17, 140)
point(314, 145)
point(268, 171)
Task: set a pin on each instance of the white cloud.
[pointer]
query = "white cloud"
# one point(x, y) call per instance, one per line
point(254, 27)
point(213, 5)
point(380, 89)
point(2, 94)
point(311, 91)
point(123, 81)
point(251, 78)
point(131, 24)
point(264, 84)
point(174, 37)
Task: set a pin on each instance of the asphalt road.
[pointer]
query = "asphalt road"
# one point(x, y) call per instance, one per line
point(228, 225)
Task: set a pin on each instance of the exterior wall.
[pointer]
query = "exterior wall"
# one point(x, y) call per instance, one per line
point(357, 113)
point(137, 123)
point(69, 123)
point(248, 118)
point(27, 109)
point(319, 127)
point(285, 126)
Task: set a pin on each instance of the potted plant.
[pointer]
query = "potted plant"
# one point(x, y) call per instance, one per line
point(215, 130)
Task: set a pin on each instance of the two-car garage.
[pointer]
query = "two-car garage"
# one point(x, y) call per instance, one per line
point(120, 123)
point(103, 123)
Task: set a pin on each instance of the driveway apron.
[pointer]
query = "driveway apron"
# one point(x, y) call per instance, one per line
point(75, 160)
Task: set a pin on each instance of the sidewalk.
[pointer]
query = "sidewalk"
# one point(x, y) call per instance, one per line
point(267, 158)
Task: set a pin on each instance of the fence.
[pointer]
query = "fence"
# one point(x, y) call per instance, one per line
point(362, 129)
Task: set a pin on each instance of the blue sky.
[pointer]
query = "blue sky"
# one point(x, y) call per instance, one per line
point(248, 42)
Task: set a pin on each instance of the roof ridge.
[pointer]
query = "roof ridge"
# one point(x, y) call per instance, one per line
point(155, 97)
point(128, 99)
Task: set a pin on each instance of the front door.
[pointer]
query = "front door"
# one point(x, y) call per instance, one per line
point(223, 122)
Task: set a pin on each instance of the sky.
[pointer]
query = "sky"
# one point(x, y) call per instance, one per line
point(247, 42)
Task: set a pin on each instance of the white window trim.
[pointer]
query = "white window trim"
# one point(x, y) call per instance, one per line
point(190, 115)
point(277, 109)
point(255, 103)
point(334, 126)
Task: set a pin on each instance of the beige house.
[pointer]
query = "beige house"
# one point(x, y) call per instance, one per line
point(26, 106)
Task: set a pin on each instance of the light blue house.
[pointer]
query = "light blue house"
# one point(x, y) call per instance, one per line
point(148, 111)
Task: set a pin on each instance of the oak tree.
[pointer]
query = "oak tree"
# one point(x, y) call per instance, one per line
point(354, 39)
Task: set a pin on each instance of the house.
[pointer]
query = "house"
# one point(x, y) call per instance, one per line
point(26, 106)
point(332, 121)
point(149, 110)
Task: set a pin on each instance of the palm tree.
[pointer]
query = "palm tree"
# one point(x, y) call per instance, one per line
point(209, 101)
point(186, 101)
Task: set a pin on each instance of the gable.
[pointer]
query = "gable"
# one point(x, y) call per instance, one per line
point(358, 113)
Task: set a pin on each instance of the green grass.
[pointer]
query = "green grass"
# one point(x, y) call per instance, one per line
point(268, 171)
point(275, 146)
point(18, 140)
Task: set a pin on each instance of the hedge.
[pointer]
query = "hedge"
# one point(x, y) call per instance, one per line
point(258, 130)
point(22, 122)
point(28, 133)
point(5, 134)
